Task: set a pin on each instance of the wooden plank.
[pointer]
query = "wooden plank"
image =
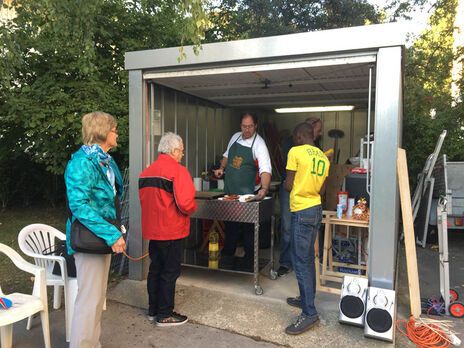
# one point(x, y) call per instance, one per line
point(340, 275)
point(329, 290)
point(408, 228)
point(337, 279)
point(327, 243)
point(330, 255)
point(349, 222)
point(335, 276)
point(350, 265)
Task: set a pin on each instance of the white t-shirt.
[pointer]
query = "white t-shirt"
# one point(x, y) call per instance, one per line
point(259, 151)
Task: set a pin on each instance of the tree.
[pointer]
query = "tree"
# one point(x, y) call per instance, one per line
point(428, 102)
point(402, 9)
point(60, 59)
point(234, 19)
point(70, 60)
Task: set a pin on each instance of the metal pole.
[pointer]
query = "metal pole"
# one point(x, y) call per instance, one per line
point(187, 131)
point(368, 184)
point(136, 165)
point(206, 138)
point(214, 144)
point(384, 199)
point(196, 140)
point(222, 130)
point(162, 110)
point(175, 112)
point(151, 150)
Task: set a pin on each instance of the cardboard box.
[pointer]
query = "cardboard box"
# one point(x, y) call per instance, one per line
point(334, 184)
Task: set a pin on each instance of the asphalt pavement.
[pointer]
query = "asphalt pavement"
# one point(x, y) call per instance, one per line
point(224, 310)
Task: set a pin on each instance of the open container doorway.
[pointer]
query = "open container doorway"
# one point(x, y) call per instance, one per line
point(201, 98)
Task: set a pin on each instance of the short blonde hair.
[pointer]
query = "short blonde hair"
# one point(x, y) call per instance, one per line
point(96, 126)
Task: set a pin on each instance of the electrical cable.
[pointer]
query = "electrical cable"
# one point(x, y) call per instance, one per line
point(426, 333)
point(123, 230)
point(135, 258)
point(432, 305)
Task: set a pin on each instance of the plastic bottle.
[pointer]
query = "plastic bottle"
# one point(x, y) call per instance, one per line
point(213, 255)
point(342, 198)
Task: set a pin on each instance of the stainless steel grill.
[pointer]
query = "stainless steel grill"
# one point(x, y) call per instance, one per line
point(247, 212)
point(250, 212)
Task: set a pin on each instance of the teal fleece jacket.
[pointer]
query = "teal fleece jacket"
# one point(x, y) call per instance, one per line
point(91, 196)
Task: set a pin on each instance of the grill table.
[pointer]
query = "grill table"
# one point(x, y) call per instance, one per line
point(249, 212)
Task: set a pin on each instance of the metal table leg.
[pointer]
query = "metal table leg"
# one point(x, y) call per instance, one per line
point(359, 248)
point(442, 220)
point(258, 289)
point(272, 273)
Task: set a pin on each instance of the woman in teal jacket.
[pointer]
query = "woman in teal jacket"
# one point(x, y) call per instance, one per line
point(92, 181)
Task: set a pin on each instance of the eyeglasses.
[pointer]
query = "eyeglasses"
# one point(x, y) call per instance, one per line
point(247, 127)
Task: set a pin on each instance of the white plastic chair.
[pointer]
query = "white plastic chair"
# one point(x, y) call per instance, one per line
point(24, 305)
point(33, 240)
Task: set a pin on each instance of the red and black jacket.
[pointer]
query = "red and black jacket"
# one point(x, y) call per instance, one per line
point(167, 198)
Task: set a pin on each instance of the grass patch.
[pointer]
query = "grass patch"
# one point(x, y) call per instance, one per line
point(11, 222)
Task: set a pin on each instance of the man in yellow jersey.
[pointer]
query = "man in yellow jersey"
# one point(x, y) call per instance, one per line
point(285, 257)
point(307, 169)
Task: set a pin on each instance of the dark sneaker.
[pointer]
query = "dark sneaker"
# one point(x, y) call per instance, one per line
point(174, 320)
point(294, 301)
point(151, 316)
point(302, 324)
point(283, 271)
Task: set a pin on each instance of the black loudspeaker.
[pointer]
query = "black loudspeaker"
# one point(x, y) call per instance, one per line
point(380, 314)
point(352, 300)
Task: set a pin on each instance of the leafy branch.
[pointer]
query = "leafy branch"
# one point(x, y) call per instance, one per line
point(197, 22)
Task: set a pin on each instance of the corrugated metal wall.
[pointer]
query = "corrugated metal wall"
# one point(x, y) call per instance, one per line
point(352, 123)
point(206, 127)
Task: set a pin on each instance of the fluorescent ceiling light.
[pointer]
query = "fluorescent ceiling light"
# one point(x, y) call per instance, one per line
point(315, 109)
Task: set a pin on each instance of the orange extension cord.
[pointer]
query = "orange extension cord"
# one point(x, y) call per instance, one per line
point(424, 336)
point(135, 258)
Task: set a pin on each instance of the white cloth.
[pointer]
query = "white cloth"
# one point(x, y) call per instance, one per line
point(259, 150)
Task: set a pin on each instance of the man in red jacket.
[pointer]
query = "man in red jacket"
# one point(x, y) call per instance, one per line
point(167, 197)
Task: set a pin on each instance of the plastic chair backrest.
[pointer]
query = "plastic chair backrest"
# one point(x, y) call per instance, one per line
point(34, 239)
point(27, 305)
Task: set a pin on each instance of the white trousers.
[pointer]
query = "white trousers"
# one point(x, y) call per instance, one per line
point(92, 280)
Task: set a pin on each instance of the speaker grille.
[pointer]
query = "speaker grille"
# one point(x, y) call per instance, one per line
point(379, 320)
point(352, 306)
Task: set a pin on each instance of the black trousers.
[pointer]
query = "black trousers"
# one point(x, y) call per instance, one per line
point(234, 230)
point(164, 270)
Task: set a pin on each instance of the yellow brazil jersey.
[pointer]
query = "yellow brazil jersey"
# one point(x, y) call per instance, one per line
point(311, 167)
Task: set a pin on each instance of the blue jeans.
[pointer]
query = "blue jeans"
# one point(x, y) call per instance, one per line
point(285, 259)
point(305, 226)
